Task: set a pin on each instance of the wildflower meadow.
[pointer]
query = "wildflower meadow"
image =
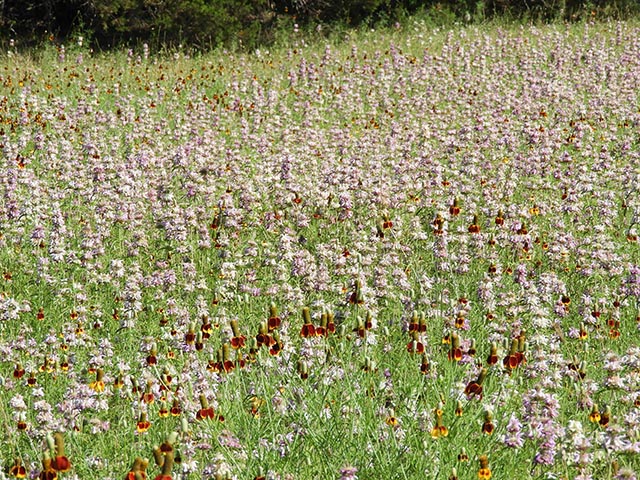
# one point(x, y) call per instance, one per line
point(400, 254)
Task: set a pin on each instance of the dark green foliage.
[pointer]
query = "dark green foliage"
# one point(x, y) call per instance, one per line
point(30, 20)
point(205, 24)
point(350, 12)
point(561, 10)
point(201, 23)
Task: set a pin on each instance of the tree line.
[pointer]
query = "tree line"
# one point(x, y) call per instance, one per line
point(208, 24)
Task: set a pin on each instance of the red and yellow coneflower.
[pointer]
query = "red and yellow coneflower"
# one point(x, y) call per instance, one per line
point(438, 225)
point(368, 365)
point(361, 329)
point(321, 330)
point(614, 328)
point(392, 420)
point(605, 417)
point(199, 343)
point(386, 222)
point(59, 462)
point(455, 352)
point(228, 365)
point(510, 361)
point(21, 422)
point(414, 323)
point(32, 381)
point(454, 208)
point(263, 337)
point(47, 366)
point(148, 396)
point(583, 334)
point(515, 358)
point(463, 456)
point(152, 358)
point(522, 348)
point(356, 297)
point(488, 427)
point(327, 325)
point(277, 345)
point(484, 473)
point(238, 340)
point(475, 388)
point(415, 345)
point(164, 457)
point(98, 384)
point(425, 366)
point(459, 409)
point(439, 429)
point(255, 405)
point(17, 470)
point(308, 329)
point(215, 364)
point(143, 424)
point(330, 327)
point(206, 328)
point(492, 358)
point(138, 470)
point(18, 371)
point(163, 411)
point(118, 382)
point(175, 409)
point(205, 412)
point(79, 331)
point(475, 225)
point(471, 351)
point(166, 379)
point(47, 472)
point(64, 364)
point(523, 229)
point(534, 210)
point(190, 336)
point(274, 321)
point(303, 370)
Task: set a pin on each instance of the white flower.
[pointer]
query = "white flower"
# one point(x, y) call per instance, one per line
point(189, 466)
